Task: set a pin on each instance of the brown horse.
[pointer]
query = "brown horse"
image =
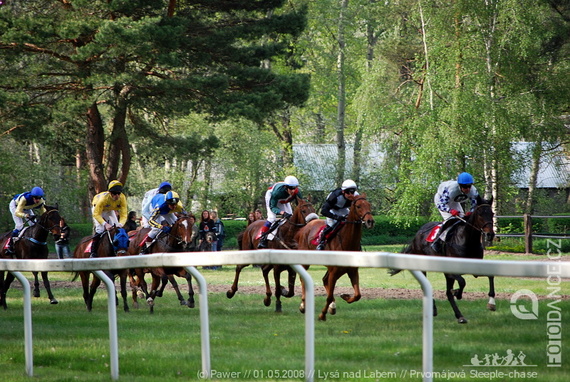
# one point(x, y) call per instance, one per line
point(112, 243)
point(32, 244)
point(177, 240)
point(284, 239)
point(465, 241)
point(347, 239)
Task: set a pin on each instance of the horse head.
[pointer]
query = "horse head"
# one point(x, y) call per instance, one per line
point(181, 233)
point(50, 220)
point(361, 212)
point(482, 218)
point(120, 241)
point(303, 213)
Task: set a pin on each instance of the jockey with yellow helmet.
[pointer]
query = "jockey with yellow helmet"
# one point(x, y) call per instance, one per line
point(278, 201)
point(22, 207)
point(109, 209)
point(336, 207)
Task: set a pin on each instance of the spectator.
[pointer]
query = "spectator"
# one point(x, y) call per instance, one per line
point(251, 218)
point(62, 241)
point(131, 224)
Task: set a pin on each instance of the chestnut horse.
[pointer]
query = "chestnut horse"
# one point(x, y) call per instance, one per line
point(284, 239)
point(463, 240)
point(114, 242)
point(177, 240)
point(346, 239)
point(32, 244)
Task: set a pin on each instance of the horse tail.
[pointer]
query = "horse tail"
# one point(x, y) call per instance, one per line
point(75, 276)
point(240, 239)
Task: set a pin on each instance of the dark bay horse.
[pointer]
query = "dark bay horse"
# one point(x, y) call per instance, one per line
point(284, 239)
point(465, 240)
point(114, 242)
point(346, 239)
point(178, 239)
point(32, 244)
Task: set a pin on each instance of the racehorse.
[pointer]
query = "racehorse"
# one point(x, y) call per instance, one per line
point(32, 244)
point(114, 242)
point(465, 240)
point(177, 240)
point(347, 238)
point(284, 239)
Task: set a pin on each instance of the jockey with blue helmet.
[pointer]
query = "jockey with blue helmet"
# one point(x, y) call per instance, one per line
point(146, 205)
point(165, 207)
point(448, 200)
point(278, 201)
point(336, 207)
point(22, 207)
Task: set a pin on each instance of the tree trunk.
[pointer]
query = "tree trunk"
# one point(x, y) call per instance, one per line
point(94, 151)
point(341, 108)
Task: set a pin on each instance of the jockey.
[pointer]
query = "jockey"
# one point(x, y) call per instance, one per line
point(146, 206)
point(450, 194)
point(336, 208)
point(105, 207)
point(278, 201)
point(22, 207)
point(165, 207)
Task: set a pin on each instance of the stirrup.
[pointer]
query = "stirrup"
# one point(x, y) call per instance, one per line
point(262, 244)
point(321, 246)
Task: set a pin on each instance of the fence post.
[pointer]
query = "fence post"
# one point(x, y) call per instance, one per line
point(527, 233)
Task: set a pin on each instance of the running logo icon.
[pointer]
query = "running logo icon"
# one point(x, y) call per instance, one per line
point(493, 360)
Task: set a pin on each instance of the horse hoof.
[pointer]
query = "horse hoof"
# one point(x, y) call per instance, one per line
point(140, 294)
point(322, 317)
point(191, 304)
point(36, 293)
point(53, 301)
point(150, 301)
point(458, 294)
point(492, 307)
point(462, 320)
point(183, 303)
point(267, 301)
point(332, 308)
point(230, 294)
point(136, 305)
point(302, 308)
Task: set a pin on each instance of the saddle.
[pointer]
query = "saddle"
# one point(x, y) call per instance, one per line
point(443, 229)
point(316, 239)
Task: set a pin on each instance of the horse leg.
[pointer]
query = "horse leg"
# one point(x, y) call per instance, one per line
point(176, 289)
point(458, 293)
point(191, 303)
point(92, 290)
point(164, 282)
point(234, 287)
point(152, 295)
point(278, 288)
point(85, 284)
point(123, 282)
point(491, 304)
point(302, 306)
point(354, 279)
point(5, 286)
point(134, 289)
point(292, 276)
point(36, 292)
point(450, 280)
point(329, 281)
point(47, 285)
point(265, 271)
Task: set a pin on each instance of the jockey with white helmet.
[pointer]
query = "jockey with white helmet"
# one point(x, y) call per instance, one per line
point(278, 201)
point(336, 208)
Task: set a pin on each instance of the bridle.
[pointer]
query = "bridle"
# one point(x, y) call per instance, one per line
point(40, 225)
point(300, 225)
point(361, 219)
point(490, 223)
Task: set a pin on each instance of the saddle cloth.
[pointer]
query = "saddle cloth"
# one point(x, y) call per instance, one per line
point(316, 239)
point(433, 233)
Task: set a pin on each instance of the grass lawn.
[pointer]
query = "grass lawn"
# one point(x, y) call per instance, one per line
point(373, 339)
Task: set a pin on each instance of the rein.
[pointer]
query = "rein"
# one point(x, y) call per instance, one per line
point(472, 225)
point(361, 219)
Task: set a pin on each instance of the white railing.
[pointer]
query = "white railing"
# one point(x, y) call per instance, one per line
point(415, 263)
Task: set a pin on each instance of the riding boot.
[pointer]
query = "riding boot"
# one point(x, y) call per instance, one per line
point(10, 249)
point(323, 238)
point(95, 245)
point(147, 244)
point(263, 239)
point(437, 245)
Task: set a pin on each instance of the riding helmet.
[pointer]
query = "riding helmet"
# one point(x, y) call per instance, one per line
point(465, 178)
point(115, 186)
point(291, 181)
point(172, 197)
point(37, 192)
point(349, 183)
point(164, 187)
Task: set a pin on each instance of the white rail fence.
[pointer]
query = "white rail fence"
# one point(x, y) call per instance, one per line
point(415, 263)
